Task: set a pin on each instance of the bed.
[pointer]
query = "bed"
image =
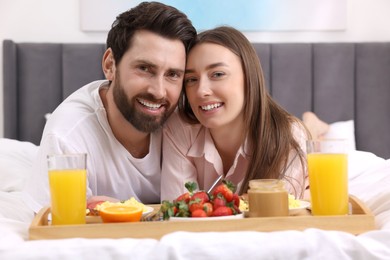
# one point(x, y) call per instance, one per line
point(345, 84)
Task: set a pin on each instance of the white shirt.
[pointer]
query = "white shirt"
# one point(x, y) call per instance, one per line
point(80, 125)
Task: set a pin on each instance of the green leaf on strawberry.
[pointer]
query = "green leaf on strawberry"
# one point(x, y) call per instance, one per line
point(191, 186)
point(167, 209)
point(182, 209)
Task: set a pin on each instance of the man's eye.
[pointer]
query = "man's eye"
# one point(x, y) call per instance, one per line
point(144, 68)
point(174, 74)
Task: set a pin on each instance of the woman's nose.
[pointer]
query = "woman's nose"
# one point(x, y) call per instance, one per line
point(204, 88)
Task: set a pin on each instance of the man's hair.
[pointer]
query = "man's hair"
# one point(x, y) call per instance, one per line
point(155, 17)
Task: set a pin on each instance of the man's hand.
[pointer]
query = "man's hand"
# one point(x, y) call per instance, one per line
point(96, 200)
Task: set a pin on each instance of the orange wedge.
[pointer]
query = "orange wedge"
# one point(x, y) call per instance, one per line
point(121, 214)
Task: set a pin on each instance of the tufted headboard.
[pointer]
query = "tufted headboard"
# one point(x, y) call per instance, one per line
point(337, 81)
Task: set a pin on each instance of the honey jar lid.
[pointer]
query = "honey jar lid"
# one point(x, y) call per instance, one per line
point(267, 184)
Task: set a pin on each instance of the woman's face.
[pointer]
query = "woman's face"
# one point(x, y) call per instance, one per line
point(214, 84)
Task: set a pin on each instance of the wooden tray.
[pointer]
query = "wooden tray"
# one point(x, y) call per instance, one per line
point(361, 220)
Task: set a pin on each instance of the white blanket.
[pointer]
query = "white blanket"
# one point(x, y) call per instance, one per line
point(369, 181)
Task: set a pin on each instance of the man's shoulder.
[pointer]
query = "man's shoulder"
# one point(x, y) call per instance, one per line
point(88, 92)
point(81, 110)
point(85, 100)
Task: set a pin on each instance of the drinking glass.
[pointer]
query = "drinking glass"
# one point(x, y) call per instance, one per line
point(68, 188)
point(328, 175)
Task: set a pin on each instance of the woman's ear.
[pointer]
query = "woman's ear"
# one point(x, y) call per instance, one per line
point(108, 64)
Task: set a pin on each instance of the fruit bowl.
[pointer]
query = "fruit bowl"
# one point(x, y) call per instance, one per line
point(119, 213)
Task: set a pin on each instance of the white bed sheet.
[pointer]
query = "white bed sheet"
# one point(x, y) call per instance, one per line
point(369, 181)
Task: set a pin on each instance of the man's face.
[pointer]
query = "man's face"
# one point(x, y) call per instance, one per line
point(148, 80)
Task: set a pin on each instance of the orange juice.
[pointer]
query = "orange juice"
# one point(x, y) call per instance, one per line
point(68, 196)
point(328, 175)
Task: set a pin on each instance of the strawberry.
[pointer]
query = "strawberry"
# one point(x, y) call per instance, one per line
point(195, 204)
point(222, 211)
point(174, 210)
point(227, 190)
point(219, 201)
point(190, 186)
point(204, 196)
point(183, 197)
point(199, 213)
point(208, 208)
point(236, 210)
point(236, 200)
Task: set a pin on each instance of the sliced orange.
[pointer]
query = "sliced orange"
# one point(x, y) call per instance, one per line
point(121, 214)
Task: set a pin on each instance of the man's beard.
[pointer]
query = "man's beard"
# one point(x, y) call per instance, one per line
point(141, 121)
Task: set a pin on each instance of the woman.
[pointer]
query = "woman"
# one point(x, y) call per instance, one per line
point(232, 127)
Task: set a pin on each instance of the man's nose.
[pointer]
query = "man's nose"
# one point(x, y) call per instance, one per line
point(158, 87)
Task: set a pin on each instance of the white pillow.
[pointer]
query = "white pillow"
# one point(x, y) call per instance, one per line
point(343, 130)
point(16, 159)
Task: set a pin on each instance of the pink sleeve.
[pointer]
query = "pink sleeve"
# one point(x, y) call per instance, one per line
point(177, 167)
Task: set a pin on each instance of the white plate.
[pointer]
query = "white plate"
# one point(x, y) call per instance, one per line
point(147, 210)
point(238, 216)
point(303, 205)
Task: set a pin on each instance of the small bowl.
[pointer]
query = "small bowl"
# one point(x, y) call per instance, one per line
point(119, 213)
point(303, 205)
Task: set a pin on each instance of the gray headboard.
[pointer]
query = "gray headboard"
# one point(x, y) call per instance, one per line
point(337, 81)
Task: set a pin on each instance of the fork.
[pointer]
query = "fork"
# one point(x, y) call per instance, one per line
point(215, 183)
point(154, 216)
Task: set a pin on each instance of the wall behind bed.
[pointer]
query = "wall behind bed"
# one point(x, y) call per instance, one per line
point(58, 21)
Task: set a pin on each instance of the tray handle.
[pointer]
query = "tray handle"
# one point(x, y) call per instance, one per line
point(41, 218)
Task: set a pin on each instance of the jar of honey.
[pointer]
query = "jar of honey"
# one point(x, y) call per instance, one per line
point(267, 198)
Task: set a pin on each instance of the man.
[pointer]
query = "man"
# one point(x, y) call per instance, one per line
point(117, 121)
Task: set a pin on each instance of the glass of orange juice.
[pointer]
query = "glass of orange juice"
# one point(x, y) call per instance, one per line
point(68, 188)
point(328, 176)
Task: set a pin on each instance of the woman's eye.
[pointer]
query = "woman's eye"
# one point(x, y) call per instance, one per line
point(189, 81)
point(218, 74)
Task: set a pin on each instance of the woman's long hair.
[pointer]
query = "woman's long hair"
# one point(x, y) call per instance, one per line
point(268, 125)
